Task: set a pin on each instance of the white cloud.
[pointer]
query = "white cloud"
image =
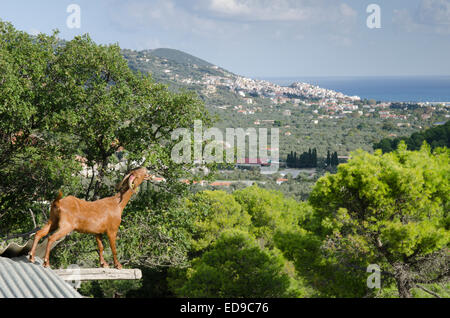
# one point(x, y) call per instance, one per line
point(146, 44)
point(159, 14)
point(137, 13)
point(435, 12)
point(317, 11)
point(34, 32)
point(432, 16)
point(229, 7)
point(236, 20)
point(347, 11)
point(241, 11)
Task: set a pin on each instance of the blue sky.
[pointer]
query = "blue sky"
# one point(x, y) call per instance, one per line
point(263, 38)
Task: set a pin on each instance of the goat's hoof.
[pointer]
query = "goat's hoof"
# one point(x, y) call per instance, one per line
point(31, 259)
point(46, 264)
point(104, 265)
point(118, 266)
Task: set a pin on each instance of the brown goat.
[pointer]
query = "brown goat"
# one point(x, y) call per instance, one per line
point(98, 217)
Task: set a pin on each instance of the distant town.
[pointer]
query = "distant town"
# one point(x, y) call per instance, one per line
point(327, 104)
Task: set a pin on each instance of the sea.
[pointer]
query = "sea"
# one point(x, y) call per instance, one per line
point(383, 88)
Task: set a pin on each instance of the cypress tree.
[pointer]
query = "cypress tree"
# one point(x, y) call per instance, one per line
point(310, 159)
point(314, 161)
point(335, 159)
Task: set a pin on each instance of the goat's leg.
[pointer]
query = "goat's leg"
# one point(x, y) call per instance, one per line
point(62, 231)
point(112, 242)
point(100, 251)
point(39, 234)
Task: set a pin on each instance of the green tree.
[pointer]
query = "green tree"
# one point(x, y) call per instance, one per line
point(390, 210)
point(60, 101)
point(270, 211)
point(236, 266)
point(385, 145)
point(436, 137)
point(334, 160)
point(260, 213)
point(314, 158)
point(388, 125)
point(34, 163)
point(110, 108)
point(328, 159)
point(215, 212)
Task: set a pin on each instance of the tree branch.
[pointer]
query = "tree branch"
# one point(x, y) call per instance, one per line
point(428, 291)
point(21, 235)
point(32, 216)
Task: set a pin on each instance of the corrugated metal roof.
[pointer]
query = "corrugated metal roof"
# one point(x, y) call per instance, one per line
point(21, 279)
point(16, 250)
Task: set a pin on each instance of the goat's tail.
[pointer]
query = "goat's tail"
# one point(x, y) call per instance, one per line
point(59, 197)
point(54, 209)
point(56, 201)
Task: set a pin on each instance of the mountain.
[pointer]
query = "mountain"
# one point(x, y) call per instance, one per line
point(179, 57)
point(173, 66)
point(217, 86)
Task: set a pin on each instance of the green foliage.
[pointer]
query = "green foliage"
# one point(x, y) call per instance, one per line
point(165, 63)
point(436, 137)
point(215, 212)
point(110, 108)
point(33, 160)
point(179, 57)
point(305, 160)
point(332, 159)
point(109, 289)
point(258, 213)
point(378, 209)
point(63, 103)
point(270, 212)
point(236, 266)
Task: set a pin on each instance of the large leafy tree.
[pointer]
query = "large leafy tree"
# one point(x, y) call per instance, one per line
point(270, 212)
point(33, 161)
point(109, 109)
point(391, 210)
point(66, 102)
point(260, 215)
point(236, 266)
point(115, 111)
point(438, 136)
point(214, 212)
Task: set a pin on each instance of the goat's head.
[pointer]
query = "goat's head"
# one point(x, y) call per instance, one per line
point(134, 179)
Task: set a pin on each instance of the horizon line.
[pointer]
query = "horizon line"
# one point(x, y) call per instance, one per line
point(331, 76)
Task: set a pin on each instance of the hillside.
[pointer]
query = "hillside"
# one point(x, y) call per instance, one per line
point(179, 57)
point(307, 116)
point(436, 137)
point(214, 83)
point(173, 66)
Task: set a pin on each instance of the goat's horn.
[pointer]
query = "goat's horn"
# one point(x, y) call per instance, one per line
point(123, 180)
point(130, 182)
